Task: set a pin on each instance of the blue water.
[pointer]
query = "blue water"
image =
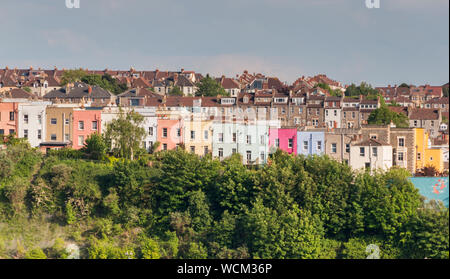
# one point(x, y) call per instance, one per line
point(432, 187)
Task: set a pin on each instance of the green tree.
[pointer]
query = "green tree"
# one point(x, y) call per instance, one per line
point(125, 134)
point(384, 116)
point(176, 91)
point(35, 254)
point(332, 92)
point(71, 76)
point(364, 89)
point(426, 235)
point(149, 249)
point(210, 87)
point(290, 234)
point(95, 147)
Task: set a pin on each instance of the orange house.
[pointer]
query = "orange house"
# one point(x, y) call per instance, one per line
point(170, 133)
point(8, 118)
point(85, 122)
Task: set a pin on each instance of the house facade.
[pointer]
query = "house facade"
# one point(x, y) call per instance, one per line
point(31, 122)
point(371, 154)
point(284, 139)
point(311, 142)
point(86, 121)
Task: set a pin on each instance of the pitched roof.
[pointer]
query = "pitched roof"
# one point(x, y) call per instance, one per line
point(423, 114)
point(79, 90)
point(372, 142)
point(18, 93)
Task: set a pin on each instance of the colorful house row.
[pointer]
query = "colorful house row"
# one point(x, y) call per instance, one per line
point(49, 126)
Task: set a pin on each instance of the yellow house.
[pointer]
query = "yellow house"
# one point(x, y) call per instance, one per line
point(198, 134)
point(425, 155)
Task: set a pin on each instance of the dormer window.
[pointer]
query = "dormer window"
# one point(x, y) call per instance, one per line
point(228, 101)
point(280, 100)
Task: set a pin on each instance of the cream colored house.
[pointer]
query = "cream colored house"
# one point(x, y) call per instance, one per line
point(371, 154)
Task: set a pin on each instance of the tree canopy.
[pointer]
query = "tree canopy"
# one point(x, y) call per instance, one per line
point(176, 205)
point(210, 87)
point(124, 134)
point(364, 89)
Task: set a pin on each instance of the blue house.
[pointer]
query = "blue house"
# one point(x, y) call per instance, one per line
point(311, 143)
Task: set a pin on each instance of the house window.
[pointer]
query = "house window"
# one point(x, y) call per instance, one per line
point(234, 137)
point(11, 115)
point(249, 139)
point(418, 156)
point(415, 123)
point(305, 145)
point(263, 139)
point(81, 125)
point(192, 149)
point(319, 146)
point(150, 131)
point(375, 151)
point(164, 146)
point(39, 135)
point(290, 143)
point(39, 119)
point(192, 135)
point(25, 134)
point(206, 150)
point(66, 137)
point(221, 137)
point(362, 151)
point(25, 118)
point(164, 133)
point(53, 121)
point(233, 151)
point(94, 125)
point(277, 142)
point(401, 142)
point(373, 136)
point(334, 148)
point(11, 131)
point(367, 165)
point(178, 132)
point(400, 156)
point(80, 140)
point(220, 152)
point(249, 156)
point(347, 148)
point(263, 156)
point(67, 121)
point(53, 137)
point(205, 134)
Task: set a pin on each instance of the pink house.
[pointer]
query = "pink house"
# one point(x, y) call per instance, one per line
point(284, 139)
point(170, 133)
point(85, 122)
point(8, 118)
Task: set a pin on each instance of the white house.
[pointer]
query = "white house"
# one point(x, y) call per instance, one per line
point(31, 122)
point(372, 153)
point(150, 125)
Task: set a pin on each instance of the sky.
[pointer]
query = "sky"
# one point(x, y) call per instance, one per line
point(401, 41)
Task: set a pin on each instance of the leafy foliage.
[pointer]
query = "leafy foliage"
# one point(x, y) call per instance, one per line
point(176, 205)
point(210, 87)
